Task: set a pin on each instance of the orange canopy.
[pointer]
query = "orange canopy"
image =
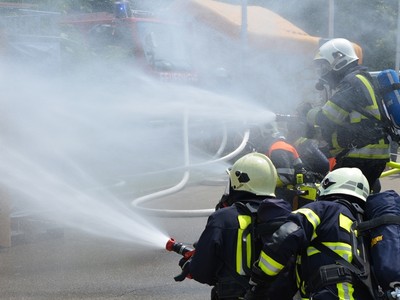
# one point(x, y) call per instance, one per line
point(266, 30)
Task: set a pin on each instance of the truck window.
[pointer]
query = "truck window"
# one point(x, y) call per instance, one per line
point(164, 46)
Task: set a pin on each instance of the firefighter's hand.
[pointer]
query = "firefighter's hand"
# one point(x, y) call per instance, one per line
point(184, 263)
point(257, 293)
point(260, 284)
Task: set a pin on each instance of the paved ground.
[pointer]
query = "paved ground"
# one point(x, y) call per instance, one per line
point(82, 266)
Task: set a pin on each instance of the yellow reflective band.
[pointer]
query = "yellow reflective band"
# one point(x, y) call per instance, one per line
point(343, 249)
point(311, 216)
point(345, 222)
point(299, 141)
point(373, 109)
point(335, 144)
point(244, 222)
point(355, 117)
point(373, 151)
point(334, 113)
point(289, 171)
point(269, 266)
point(345, 291)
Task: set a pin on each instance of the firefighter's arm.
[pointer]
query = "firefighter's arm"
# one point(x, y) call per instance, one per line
point(206, 261)
point(312, 116)
point(283, 245)
point(259, 284)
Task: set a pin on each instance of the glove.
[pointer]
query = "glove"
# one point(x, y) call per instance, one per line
point(260, 284)
point(185, 266)
point(257, 292)
point(312, 115)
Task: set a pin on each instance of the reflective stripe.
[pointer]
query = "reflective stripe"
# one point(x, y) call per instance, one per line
point(312, 217)
point(299, 141)
point(334, 113)
point(355, 117)
point(343, 249)
point(345, 291)
point(373, 108)
point(373, 151)
point(244, 222)
point(338, 116)
point(288, 171)
point(269, 266)
point(345, 222)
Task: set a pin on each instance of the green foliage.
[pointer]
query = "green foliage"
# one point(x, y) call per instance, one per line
point(372, 24)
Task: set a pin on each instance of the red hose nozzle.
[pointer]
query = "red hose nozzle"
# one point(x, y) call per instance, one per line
point(179, 248)
point(170, 244)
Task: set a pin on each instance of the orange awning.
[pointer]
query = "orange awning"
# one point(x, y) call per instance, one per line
point(266, 30)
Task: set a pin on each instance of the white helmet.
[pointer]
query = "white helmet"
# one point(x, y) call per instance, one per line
point(254, 173)
point(345, 181)
point(334, 55)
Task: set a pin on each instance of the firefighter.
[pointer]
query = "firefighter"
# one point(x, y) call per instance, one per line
point(348, 119)
point(287, 162)
point(305, 139)
point(225, 251)
point(325, 222)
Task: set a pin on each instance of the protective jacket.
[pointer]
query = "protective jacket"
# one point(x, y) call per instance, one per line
point(224, 251)
point(325, 222)
point(348, 118)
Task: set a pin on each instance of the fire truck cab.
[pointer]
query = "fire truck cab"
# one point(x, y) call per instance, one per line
point(136, 37)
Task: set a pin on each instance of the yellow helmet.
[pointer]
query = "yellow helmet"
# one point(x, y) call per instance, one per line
point(254, 173)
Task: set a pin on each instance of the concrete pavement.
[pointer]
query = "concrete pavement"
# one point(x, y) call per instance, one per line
point(82, 266)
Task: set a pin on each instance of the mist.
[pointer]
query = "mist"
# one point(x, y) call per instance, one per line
point(79, 144)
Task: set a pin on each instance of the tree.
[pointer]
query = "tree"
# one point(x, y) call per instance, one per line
point(372, 24)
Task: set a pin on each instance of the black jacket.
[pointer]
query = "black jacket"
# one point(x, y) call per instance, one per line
point(220, 248)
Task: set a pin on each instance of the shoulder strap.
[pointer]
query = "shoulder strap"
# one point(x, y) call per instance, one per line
point(248, 209)
point(384, 119)
point(378, 221)
point(364, 276)
point(338, 259)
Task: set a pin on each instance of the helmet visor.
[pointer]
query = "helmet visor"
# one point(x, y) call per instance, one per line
point(322, 67)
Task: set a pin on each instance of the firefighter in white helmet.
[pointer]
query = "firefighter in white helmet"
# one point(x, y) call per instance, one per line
point(230, 242)
point(319, 234)
point(349, 120)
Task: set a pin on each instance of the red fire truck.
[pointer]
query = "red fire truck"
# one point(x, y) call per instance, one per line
point(136, 37)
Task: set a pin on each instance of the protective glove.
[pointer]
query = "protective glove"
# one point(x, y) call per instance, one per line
point(257, 293)
point(308, 176)
point(184, 263)
point(312, 115)
point(260, 284)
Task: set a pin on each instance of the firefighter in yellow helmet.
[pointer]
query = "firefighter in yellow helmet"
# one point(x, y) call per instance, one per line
point(320, 235)
point(349, 120)
point(231, 241)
